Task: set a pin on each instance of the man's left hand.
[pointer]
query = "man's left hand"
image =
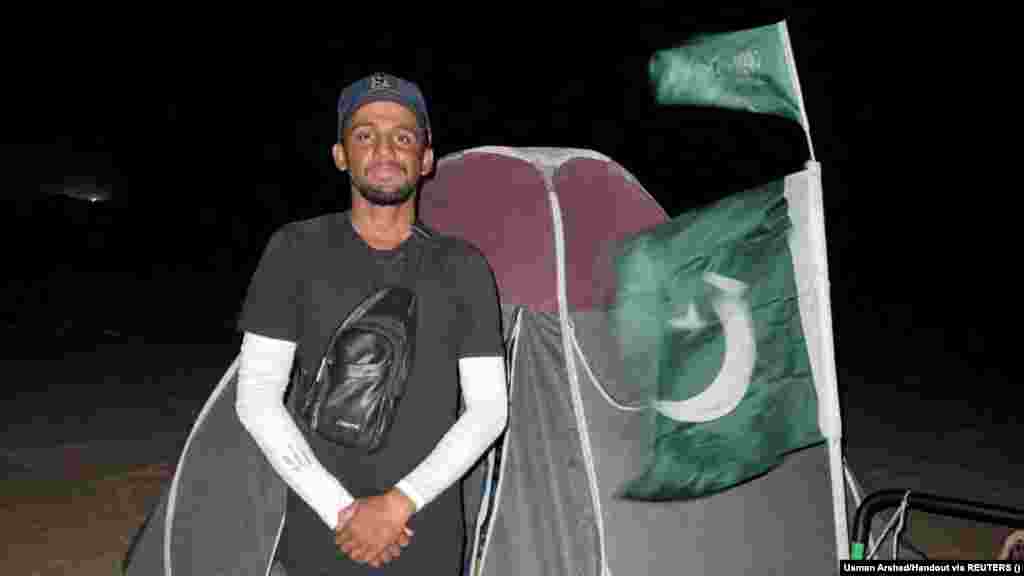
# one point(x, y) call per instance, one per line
point(378, 523)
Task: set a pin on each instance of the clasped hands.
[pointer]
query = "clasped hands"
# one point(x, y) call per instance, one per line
point(374, 530)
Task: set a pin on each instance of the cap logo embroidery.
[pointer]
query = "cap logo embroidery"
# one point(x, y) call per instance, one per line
point(379, 82)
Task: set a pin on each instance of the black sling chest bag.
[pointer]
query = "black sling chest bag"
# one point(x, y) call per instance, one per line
point(362, 374)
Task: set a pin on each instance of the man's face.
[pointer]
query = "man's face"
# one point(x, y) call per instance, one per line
point(385, 153)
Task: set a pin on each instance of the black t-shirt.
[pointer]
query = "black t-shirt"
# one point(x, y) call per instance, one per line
point(311, 275)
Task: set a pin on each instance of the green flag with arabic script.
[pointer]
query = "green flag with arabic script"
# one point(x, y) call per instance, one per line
point(746, 70)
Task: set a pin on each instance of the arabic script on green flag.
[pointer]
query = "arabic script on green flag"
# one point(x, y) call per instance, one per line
point(746, 70)
point(707, 315)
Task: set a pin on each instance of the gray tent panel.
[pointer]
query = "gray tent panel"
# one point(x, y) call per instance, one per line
point(545, 521)
point(224, 508)
point(540, 525)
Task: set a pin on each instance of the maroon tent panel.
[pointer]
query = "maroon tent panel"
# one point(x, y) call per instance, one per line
point(497, 198)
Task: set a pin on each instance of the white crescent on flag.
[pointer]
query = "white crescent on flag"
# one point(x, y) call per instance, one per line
point(730, 385)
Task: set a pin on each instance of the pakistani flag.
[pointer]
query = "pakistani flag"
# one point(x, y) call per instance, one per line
point(708, 316)
point(744, 70)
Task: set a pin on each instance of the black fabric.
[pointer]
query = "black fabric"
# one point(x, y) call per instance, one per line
point(312, 273)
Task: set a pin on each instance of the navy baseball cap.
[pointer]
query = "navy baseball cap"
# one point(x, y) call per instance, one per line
point(381, 86)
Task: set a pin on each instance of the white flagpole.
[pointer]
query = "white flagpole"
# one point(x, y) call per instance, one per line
point(832, 422)
point(788, 47)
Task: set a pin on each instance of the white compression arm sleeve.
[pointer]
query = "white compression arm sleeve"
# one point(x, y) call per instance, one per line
point(485, 395)
point(262, 379)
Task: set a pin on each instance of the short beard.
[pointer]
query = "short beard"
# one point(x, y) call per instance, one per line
point(379, 197)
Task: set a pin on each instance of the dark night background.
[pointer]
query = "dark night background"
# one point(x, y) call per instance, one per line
point(211, 138)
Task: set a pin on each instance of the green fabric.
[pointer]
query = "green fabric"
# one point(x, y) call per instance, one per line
point(664, 276)
point(745, 70)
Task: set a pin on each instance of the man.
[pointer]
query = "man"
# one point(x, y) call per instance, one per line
point(348, 511)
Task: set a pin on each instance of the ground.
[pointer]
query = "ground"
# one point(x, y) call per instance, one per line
point(81, 524)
